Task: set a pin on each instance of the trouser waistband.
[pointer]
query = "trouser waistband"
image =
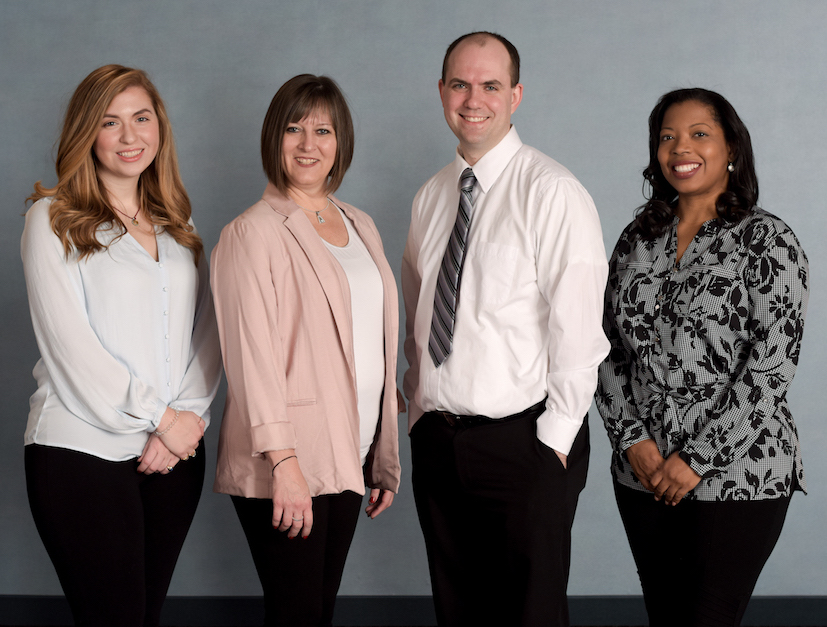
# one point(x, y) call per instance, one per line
point(456, 420)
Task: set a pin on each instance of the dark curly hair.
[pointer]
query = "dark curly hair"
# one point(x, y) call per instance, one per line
point(741, 195)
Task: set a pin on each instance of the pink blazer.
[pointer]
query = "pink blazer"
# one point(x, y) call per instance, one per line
point(284, 319)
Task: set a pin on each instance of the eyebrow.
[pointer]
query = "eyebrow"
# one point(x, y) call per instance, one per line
point(493, 82)
point(142, 111)
point(669, 128)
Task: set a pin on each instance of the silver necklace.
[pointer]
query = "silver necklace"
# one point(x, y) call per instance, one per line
point(318, 213)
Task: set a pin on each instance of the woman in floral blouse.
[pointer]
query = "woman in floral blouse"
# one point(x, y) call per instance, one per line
point(705, 311)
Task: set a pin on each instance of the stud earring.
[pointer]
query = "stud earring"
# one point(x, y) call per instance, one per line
point(731, 167)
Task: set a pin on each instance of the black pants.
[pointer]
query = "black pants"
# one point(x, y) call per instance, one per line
point(113, 534)
point(698, 561)
point(300, 578)
point(496, 508)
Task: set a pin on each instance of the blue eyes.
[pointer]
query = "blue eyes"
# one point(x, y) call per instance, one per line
point(464, 86)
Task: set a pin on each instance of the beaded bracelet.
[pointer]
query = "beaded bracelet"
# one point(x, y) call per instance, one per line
point(171, 425)
point(272, 472)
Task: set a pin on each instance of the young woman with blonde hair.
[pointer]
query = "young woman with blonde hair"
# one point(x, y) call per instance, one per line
point(121, 308)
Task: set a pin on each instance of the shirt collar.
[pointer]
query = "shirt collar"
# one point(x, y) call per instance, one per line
point(488, 169)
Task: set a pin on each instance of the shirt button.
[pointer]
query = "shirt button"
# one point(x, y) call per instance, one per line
point(168, 384)
point(167, 359)
point(166, 337)
point(166, 313)
point(160, 265)
point(657, 307)
point(166, 289)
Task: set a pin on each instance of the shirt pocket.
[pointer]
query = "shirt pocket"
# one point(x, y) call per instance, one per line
point(713, 293)
point(634, 278)
point(489, 271)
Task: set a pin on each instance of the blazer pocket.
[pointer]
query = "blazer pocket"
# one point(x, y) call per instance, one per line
point(301, 401)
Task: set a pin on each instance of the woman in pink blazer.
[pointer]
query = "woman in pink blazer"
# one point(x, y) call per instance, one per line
point(307, 312)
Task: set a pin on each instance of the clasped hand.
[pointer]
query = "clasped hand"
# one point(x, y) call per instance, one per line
point(669, 479)
point(161, 454)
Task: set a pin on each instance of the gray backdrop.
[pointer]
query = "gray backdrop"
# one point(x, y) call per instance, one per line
point(592, 72)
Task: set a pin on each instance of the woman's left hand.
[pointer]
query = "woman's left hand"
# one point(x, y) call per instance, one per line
point(380, 500)
point(156, 457)
point(674, 479)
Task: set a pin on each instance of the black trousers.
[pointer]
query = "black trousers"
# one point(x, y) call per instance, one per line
point(496, 508)
point(699, 560)
point(113, 535)
point(300, 578)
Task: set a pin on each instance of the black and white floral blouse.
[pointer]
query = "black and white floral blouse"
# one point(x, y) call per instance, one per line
point(703, 352)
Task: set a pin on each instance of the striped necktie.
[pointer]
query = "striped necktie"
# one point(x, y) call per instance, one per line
point(446, 297)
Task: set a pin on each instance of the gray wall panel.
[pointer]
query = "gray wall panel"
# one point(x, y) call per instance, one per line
point(592, 72)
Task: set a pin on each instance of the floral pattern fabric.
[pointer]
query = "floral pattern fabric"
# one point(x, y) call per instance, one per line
point(703, 352)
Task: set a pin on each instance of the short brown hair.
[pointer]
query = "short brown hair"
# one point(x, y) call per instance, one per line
point(480, 37)
point(294, 100)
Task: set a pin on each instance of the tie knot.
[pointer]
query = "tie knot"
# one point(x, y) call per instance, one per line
point(467, 180)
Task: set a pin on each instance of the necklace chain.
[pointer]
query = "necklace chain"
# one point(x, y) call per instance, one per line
point(318, 216)
point(133, 218)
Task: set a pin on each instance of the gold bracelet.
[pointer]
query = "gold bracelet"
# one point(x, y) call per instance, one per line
point(171, 425)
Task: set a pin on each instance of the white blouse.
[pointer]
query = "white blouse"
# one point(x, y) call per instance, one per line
point(366, 304)
point(121, 338)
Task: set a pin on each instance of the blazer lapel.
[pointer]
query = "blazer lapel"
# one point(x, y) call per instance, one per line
point(330, 274)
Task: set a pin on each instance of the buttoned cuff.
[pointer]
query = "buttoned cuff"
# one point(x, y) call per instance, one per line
point(557, 431)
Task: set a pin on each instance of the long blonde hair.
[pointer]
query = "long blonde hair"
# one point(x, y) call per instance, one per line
point(81, 206)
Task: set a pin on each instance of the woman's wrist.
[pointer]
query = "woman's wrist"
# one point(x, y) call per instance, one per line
point(176, 414)
point(277, 457)
point(284, 459)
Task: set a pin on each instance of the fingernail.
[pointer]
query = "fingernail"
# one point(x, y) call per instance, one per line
point(305, 537)
point(291, 537)
point(372, 500)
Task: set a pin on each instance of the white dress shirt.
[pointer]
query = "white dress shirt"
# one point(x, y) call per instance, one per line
point(367, 313)
point(121, 337)
point(529, 318)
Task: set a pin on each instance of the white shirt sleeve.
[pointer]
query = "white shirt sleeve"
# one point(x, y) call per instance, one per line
point(571, 274)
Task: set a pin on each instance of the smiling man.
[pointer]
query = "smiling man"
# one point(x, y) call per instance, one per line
point(503, 278)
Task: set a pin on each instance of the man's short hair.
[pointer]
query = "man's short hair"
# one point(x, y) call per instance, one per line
point(481, 37)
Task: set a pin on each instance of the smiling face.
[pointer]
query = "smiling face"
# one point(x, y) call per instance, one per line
point(128, 138)
point(693, 152)
point(477, 95)
point(308, 152)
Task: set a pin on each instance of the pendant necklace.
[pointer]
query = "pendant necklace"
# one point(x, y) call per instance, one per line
point(135, 217)
point(318, 216)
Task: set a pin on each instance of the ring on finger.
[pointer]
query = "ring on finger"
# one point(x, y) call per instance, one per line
point(297, 519)
point(192, 454)
point(185, 458)
point(169, 468)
